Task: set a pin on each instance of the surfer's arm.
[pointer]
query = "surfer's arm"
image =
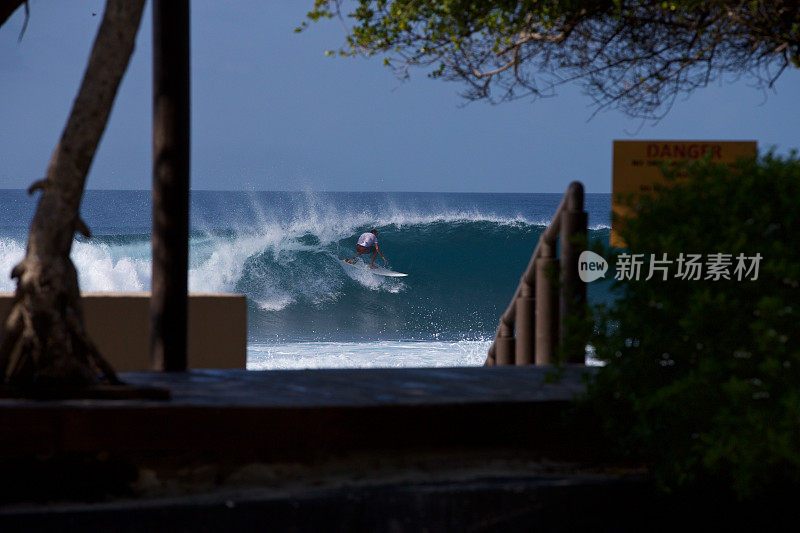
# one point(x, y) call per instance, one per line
point(385, 261)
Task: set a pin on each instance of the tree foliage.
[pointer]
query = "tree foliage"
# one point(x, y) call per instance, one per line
point(702, 376)
point(634, 55)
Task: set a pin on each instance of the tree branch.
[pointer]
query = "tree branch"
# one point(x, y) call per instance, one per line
point(7, 8)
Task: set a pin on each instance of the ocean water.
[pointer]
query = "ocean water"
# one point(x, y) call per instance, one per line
point(464, 254)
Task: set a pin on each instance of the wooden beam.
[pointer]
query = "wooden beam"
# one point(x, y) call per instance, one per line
point(171, 156)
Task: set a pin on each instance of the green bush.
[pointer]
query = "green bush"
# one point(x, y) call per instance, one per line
point(702, 378)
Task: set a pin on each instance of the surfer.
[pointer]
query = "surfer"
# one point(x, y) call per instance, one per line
point(368, 244)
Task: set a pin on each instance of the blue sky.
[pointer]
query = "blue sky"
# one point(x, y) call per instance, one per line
point(271, 112)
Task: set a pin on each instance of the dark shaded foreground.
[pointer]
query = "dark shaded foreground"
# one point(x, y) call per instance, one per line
point(466, 449)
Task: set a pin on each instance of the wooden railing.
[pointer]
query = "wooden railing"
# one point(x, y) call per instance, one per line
point(549, 291)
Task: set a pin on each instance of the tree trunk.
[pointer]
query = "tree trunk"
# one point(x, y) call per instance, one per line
point(44, 341)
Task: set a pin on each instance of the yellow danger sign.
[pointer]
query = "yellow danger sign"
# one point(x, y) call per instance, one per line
point(636, 167)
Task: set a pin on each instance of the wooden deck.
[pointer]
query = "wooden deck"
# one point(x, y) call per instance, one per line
point(454, 449)
point(294, 413)
point(335, 450)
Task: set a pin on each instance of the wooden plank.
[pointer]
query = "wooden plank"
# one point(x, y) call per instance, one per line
point(296, 413)
point(98, 392)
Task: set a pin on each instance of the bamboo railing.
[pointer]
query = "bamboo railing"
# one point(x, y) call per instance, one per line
point(538, 309)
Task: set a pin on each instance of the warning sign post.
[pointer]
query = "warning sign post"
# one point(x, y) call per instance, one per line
point(637, 167)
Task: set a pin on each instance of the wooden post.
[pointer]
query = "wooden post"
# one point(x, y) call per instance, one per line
point(504, 342)
point(490, 357)
point(570, 220)
point(171, 130)
point(573, 290)
point(546, 306)
point(525, 326)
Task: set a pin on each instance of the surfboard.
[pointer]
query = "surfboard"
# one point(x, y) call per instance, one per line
point(380, 271)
